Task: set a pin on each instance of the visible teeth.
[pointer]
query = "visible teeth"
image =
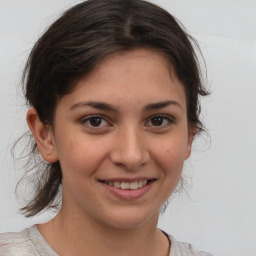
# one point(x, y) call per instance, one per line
point(134, 185)
point(128, 185)
point(125, 185)
point(116, 184)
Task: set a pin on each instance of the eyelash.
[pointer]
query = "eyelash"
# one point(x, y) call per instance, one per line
point(164, 118)
point(91, 117)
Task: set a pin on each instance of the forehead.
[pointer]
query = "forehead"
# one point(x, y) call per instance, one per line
point(140, 74)
point(127, 58)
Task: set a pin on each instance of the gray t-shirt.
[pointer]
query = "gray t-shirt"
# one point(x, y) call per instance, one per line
point(31, 242)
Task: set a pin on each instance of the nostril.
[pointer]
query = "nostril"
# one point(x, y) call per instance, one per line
point(129, 159)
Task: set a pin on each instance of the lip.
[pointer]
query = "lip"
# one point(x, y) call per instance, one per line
point(128, 179)
point(127, 194)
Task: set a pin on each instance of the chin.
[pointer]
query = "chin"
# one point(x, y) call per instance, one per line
point(129, 219)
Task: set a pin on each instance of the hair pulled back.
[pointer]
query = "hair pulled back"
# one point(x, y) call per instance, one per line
point(78, 41)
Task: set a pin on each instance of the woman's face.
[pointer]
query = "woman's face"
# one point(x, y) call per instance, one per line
point(121, 138)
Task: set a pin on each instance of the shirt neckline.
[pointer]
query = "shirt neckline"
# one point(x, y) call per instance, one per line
point(44, 249)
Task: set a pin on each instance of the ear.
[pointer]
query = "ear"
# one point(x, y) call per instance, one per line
point(191, 135)
point(43, 135)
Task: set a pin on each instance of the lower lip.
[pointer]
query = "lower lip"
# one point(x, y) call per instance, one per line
point(127, 194)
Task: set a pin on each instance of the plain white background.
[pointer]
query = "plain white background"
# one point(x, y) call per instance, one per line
point(219, 213)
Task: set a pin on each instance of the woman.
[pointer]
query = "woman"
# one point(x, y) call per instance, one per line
point(113, 88)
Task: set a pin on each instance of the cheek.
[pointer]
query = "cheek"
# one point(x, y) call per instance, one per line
point(170, 155)
point(81, 157)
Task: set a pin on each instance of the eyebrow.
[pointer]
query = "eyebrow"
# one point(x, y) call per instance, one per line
point(109, 107)
point(95, 104)
point(159, 105)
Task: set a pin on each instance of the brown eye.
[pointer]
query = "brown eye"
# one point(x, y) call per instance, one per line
point(95, 121)
point(157, 121)
point(160, 121)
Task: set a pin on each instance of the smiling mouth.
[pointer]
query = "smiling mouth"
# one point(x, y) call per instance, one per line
point(128, 185)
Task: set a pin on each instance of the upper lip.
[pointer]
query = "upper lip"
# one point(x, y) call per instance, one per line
point(123, 179)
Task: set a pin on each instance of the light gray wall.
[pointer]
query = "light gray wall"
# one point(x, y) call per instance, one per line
point(219, 215)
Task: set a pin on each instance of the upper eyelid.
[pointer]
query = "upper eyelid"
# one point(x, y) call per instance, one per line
point(93, 116)
point(162, 115)
point(166, 116)
point(169, 119)
point(88, 117)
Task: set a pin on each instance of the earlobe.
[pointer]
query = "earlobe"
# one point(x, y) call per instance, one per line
point(43, 135)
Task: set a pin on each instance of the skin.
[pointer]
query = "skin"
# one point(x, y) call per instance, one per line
point(125, 142)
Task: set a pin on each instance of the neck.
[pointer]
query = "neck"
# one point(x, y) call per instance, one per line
point(73, 234)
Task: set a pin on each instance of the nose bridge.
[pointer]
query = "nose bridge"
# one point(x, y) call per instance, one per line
point(130, 149)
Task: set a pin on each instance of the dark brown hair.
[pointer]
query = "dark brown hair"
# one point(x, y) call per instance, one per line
point(77, 42)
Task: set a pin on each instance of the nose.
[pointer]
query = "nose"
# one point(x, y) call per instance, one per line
point(129, 149)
